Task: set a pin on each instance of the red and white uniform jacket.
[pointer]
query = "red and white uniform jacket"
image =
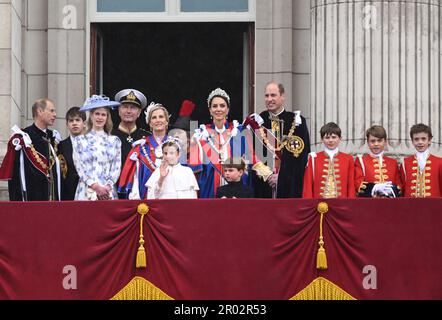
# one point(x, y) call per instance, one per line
point(369, 171)
point(422, 183)
point(329, 178)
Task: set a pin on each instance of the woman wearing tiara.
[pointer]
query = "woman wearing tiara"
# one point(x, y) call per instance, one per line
point(212, 144)
point(172, 180)
point(146, 154)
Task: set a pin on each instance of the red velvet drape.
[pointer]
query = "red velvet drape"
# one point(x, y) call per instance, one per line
point(221, 249)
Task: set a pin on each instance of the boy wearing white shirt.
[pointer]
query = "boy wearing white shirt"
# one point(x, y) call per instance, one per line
point(422, 173)
point(377, 175)
point(76, 123)
point(330, 173)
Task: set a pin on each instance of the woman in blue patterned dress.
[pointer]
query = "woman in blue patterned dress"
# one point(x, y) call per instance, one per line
point(97, 156)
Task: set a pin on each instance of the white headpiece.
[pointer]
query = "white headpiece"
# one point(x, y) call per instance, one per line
point(149, 109)
point(218, 92)
point(173, 140)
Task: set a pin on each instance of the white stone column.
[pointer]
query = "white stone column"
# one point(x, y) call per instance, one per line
point(66, 57)
point(283, 51)
point(376, 62)
point(11, 20)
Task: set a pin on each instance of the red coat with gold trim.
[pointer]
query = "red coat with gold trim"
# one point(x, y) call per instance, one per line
point(370, 173)
point(422, 184)
point(324, 178)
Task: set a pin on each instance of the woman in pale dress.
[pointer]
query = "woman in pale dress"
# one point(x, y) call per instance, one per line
point(97, 157)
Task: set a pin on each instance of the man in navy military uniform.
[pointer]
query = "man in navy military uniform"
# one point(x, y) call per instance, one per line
point(132, 101)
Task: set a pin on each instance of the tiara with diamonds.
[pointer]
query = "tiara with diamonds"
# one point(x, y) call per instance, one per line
point(218, 92)
point(151, 106)
point(173, 140)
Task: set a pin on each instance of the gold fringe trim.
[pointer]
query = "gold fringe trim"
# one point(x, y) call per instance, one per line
point(141, 261)
point(321, 258)
point(141, 289)
point(322, 289)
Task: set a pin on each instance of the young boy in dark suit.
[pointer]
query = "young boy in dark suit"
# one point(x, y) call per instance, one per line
point(233, 170)
point(76, 123)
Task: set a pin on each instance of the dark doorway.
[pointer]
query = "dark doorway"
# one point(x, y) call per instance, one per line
point(171, 62)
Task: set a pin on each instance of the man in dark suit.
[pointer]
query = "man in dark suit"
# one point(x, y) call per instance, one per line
point(31, 162)
point(289, 151)
point(76, 123)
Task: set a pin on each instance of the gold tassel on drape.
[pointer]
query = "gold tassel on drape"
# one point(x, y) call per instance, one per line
point(141, 262)
point(321, 258)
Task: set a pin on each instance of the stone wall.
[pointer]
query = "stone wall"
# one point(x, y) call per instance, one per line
point(42, 54)
point(376, 63)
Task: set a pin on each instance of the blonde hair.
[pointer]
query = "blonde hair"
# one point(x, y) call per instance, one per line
point(107, 127)
point(155, 108)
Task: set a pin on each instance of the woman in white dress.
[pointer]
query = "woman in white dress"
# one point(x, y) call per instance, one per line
point(97, 157)
point(172, 180)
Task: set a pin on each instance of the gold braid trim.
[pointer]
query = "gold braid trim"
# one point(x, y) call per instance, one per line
point(322, 289)
point(141, 289)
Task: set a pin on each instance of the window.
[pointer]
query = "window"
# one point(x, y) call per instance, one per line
point(172, 10)
point(131, 6)
point(214, 5)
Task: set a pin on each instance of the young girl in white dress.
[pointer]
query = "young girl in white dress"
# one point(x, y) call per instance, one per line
point(172, 180)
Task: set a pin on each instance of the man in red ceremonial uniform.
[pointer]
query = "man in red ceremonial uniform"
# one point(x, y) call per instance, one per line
point(31, 165)
point(422, 173)
point(377, 175)
point(330, 173)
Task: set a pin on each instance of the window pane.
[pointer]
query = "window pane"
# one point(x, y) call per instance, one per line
point(214, 5)
point(131, 6)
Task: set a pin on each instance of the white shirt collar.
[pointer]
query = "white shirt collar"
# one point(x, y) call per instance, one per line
point(379, 155)
point(422, 158)
point(331, 153)
point(277, 114)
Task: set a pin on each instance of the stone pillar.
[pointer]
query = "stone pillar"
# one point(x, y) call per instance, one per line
point(66, 57)
point(283, 51)
point(35, 44)
point(376, 63)
point(11, 63)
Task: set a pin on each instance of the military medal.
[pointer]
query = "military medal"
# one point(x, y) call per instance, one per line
point(295, 145)
point(129, 139)
point(292, 143)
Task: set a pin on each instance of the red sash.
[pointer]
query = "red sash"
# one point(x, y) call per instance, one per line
point(37, 159)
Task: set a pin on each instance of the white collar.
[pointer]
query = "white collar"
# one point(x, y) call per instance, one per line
point(98, 133)
point(277, 114)
point(423, 155)
point(220, 131)
point(422, 159)
point(379, 155)
point(331, 153)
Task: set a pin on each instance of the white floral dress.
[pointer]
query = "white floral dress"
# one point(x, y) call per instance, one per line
point(97, 159)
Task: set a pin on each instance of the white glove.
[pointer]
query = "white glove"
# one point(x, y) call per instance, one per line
point(383, 189)
point(388, 189)
point(57, 136)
